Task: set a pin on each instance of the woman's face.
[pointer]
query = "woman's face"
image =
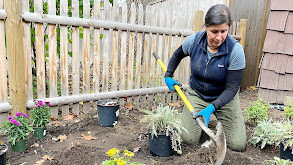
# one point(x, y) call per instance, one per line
point(217, 34)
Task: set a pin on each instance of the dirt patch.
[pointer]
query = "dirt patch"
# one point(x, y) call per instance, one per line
point(128, 133)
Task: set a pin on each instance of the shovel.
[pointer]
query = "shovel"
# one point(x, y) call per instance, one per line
point(219, 139)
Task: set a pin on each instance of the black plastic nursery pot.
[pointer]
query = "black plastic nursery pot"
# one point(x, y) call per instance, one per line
point(287, 154)
point(3, 150)
point(39, 132)
point(160, 146)
point(108, 112)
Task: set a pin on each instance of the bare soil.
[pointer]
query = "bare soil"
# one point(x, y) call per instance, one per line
point(128, 133)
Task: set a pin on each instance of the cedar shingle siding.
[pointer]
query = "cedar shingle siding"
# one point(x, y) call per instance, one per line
point(276, 67)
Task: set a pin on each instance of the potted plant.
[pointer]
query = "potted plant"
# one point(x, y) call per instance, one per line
point(3, 150)
point(40, 116)
point(17, 129)
point(275, 133)
point(164, 127)
point(116, 159)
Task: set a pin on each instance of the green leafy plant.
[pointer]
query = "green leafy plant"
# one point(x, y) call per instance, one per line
point(257, 111)
point(165, 120)
point(17, 127)
point(278, 161)
point(116, 159)
point(266, 133)
point(40, 115)
point(288, 111)
point(273, 133)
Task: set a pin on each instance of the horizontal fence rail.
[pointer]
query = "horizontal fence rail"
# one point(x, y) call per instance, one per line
point(61, 20)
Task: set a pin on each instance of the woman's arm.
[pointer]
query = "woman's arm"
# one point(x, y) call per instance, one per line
point(176, 58)
point(233, 82)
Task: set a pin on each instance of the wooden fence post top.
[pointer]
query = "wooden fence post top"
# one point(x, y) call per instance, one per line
point(197, 21)
point(242, 31)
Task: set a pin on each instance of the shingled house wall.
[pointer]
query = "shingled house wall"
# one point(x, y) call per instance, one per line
point(276, 67)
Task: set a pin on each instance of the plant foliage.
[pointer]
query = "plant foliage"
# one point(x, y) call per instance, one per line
point(17, 127)
point(266, 133)
point(40, 115)
point(165, 120)
point(288, 112)
point(273, 133)
point(257, 111)
point(116, 159)
point(279, 161)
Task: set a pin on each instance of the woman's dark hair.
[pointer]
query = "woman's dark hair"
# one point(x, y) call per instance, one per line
point(218, 14)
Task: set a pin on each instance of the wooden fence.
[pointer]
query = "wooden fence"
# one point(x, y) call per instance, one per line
point(72, 61)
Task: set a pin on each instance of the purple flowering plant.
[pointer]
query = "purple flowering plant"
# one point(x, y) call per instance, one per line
point(40, 114)
point(17, 127)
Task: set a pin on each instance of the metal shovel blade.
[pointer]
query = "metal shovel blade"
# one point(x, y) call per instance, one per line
point(219, 139)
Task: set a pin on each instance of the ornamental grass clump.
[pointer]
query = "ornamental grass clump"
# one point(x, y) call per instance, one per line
point(165, 120)
point(116, 159)
point(17, 127)
point(40, 115)
point(257, 111)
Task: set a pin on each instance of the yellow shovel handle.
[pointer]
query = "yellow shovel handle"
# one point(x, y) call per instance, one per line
point(177, 88)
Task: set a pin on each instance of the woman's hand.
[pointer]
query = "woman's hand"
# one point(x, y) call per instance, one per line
point(170, 83)
point(206, 113)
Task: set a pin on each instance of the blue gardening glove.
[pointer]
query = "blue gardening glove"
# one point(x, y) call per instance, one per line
point(206, 113)
point(170, 83)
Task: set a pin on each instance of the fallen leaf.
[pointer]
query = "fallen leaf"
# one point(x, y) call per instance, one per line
point(89, 132)
point(62, 137)
point(103, 141)
point(136, 149)
point(53, 119)
point(35, 151)
point(35, 145)
point(177, 104)
point(40, 162)
point(55, 138)
point(129, 106)
point(90, 137)
point(47, 157)
point(69, 117)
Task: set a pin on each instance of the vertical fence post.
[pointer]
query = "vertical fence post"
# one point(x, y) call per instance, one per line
point(242, 31)
point(16, 69)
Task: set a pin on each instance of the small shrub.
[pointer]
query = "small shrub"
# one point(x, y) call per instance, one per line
point(288, 111)
point(257, 111)
point(273, 133)
point(266, 133)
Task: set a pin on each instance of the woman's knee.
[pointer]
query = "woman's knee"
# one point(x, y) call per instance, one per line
point(237, 145)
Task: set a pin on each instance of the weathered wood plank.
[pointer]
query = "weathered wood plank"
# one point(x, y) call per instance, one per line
point(114, 51)
point(40, 57)
point(122, 51)
point(64, 56)
point(75, 56)
point(53, 58)
point(3, 61)
point(86, 55)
